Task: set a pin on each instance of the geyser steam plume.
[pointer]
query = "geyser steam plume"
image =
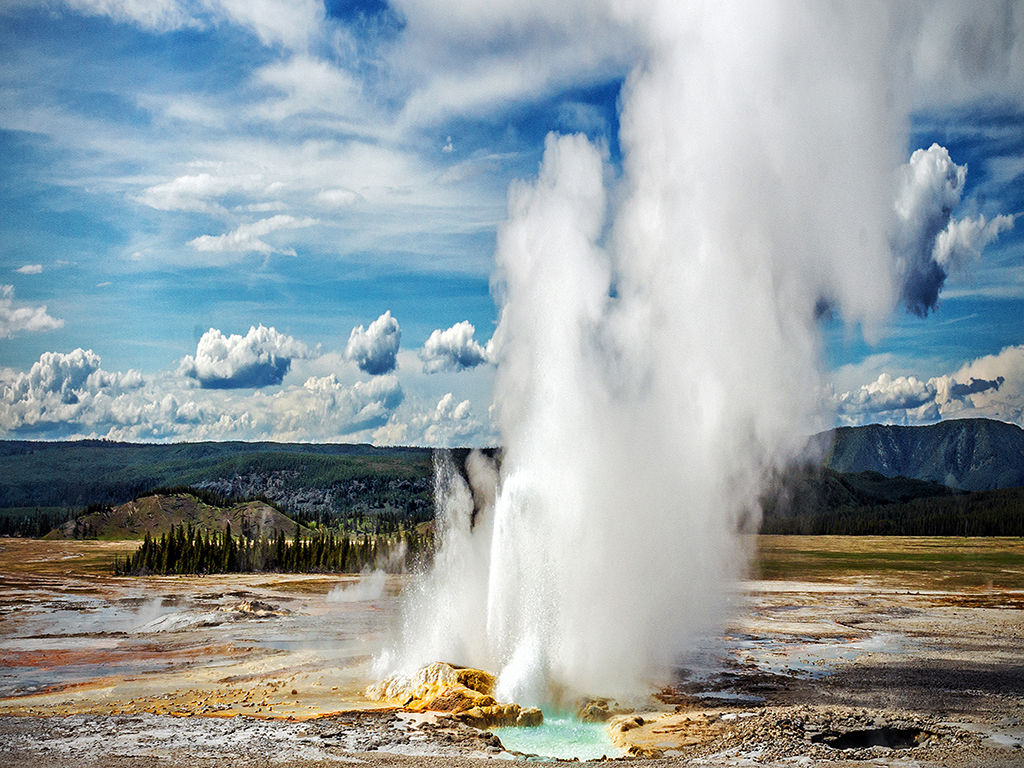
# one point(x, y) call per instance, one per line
point(658, 347)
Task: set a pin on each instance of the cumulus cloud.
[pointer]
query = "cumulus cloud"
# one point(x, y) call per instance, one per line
point(246, 238)
point(375, 349)
point(261, 358)
point(453, 349)
point(975, 386)
point(59, 390)
point(450, 423)
point(70, 395)
point(18, 318)
point(325, 400)
point(907, 397)
point(929, 243)
point(30, 269)
point(991, 386)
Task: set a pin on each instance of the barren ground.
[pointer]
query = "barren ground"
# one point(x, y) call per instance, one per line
point(845, 651)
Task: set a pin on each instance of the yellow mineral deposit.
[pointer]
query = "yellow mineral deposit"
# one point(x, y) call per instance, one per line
point(465, 692)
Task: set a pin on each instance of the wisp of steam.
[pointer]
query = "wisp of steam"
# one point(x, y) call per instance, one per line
point(659, 345)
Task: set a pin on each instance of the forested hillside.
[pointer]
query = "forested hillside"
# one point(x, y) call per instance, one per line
point(904, 479)
point(42, 484)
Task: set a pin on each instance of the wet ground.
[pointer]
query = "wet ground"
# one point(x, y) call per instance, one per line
point(852, 651)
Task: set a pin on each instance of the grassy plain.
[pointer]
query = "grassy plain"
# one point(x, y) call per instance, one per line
point(921, 562)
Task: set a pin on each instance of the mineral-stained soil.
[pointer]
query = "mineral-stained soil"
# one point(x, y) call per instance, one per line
point(860, 663)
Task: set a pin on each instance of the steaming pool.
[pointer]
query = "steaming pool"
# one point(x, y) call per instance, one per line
point(561, 736)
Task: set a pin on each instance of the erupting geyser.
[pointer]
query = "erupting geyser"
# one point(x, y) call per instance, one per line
point(658, 347)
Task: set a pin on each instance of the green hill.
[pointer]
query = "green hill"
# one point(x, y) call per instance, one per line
point(157, 514)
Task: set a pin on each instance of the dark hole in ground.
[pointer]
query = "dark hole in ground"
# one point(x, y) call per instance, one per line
point(896, 738)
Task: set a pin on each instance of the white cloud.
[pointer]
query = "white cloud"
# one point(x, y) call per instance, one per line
point(929, 243)
point(155, 15)
point(453, 349)
point(962, 241)
point(309, 86)
point(324, 405)
point(978, 394)
point(375, 349)
point(450, 423)
point(519, 51)
point(294, 24)
point(337, 197)
point(930, 189)
point(19, 318)
point(70, 395)
point(260, 358)
point(907, 396)
point(246, 237)
point(30, 269)
point(201, 192)
point(991, 386)
point(59, 389)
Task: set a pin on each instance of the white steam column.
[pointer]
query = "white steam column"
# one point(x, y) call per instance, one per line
point(658, 349)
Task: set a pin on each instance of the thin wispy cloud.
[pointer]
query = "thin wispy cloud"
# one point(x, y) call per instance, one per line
point(248, 238)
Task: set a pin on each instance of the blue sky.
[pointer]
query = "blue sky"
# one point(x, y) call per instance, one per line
point(241, 185)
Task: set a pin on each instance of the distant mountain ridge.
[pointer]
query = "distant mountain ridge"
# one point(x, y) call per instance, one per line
point(967, 454)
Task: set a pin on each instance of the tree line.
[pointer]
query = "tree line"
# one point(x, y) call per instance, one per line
point(34, 523)
point(982, 513)
point(186, 550)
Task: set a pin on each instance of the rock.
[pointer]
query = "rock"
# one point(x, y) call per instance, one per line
point(646, 752)
point(630, 723)
point(459, 699)
point(426, 683)
point(530, 717)
point(474, 717)
point(476, 679)
point(256, 608)
point(597, 710)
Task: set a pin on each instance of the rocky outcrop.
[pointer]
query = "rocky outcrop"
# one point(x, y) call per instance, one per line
point(597, 710)
point(465, 692)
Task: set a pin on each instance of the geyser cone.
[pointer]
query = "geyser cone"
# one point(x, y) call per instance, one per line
point(658, 355)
